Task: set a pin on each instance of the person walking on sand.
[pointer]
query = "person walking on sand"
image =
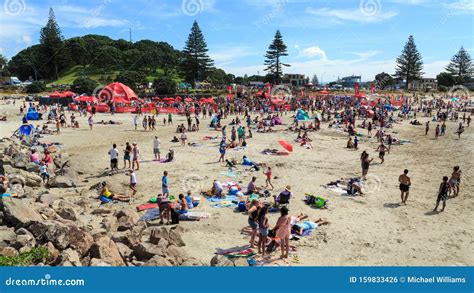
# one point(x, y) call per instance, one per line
point(90, 121)
point(135, 156)
point(437, 130)
point(126, 155)
point(135, 122)
point(156, 148)
point(133, 183)
point(455, 181)
point(382, 149)
point(268, 181)
point(405, 183)
point(365, 162)
point(427, 127)
point(460, 130)
point(442, 194)
point(184, 138)
point(283, 231)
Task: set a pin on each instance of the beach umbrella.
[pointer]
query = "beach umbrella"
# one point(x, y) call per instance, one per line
point(56, 95)
point(287, 146)
point(167, 99)
point(170, 102)
point(324, 92)
point(277, 101)
point(178, 98)
point(188, 100)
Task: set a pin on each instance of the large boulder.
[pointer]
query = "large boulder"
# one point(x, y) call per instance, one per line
point(62, 235)
point(62, 182)
point(25, 241)
point(175, 238)
point(124, 251)
point(53, 252)
point(17, 213)
point(32, 167)
point(157, 261)
point(64, 209)
point(46, 198)
point(23, 177)
point(126, 219)
point(129, 237)
point(176, 254)
point(98, 263)
point(145, 251)
point(106, 250)
point(8, 251)
point(7, 236)
point(70, 257)
point(221, 261)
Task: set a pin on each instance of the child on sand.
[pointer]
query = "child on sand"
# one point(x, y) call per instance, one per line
point(268, 181)
point(44, 172)
point(133, 183)
point(263, 225)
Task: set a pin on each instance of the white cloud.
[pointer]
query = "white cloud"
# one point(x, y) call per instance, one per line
point(409, 2)
point(314, 51)
point(366, 55)
point(228, 54)
point(466, 6)
point(355, 15)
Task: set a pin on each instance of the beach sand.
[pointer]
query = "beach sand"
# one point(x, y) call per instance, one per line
point(369, 230)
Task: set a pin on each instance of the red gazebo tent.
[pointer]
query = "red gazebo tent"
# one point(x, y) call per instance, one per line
point(117, 90)
point(90, 99)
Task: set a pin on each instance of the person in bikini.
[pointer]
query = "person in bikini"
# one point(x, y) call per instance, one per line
point(405, 183)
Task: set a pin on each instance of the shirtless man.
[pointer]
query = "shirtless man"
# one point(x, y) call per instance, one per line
point(405, 183)
point(382, 149)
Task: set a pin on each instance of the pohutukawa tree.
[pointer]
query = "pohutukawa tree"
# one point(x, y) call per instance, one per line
point(409, 63)
point(276, 50)
point(461, 66)
point(196, 62)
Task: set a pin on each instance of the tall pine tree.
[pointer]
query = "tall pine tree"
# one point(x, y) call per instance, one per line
point(196, 62)
point(276, 50)
point(54, 54)
point(461, 66)
point(409, 63)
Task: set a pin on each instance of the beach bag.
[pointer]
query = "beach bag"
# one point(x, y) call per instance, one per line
point(319, 202)
point(272, 246)
point(241, 207)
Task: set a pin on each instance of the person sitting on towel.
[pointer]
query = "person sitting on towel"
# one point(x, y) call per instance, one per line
point(190, 201)
point(252, 187)
point(183, 204)
point(170, 156)
point(284, 197)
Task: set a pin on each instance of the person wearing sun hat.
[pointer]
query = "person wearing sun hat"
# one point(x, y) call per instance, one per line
point(284, 197)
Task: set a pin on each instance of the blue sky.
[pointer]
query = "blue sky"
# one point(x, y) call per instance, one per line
point(327, 38)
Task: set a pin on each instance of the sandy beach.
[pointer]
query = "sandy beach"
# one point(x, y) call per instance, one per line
point(369, 230)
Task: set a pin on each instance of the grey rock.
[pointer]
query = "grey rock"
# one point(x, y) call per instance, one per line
point(17, 213)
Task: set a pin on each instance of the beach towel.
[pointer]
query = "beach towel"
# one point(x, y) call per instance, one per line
point(229, 174)
point(194, 216)
point(146, 206)
point(105, 199)
point(150, 215)
point(336, 189)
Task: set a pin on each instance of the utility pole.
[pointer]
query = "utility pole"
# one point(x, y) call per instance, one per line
point(130, 31)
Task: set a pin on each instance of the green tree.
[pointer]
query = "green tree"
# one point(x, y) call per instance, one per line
point(35, 87)
point(409, 63)
point(315, 80)
point(384, 80)
point(461, 66)
point(196, 62)
point(84, 85)
point(55, 56)
point(446, 79)
point(276, 50)
point(131, 79)
point(108, 56)
point(165, 85)
point(3, 61)
point(26, 63)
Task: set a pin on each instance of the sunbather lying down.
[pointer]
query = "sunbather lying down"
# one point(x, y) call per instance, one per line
point(300, 228)
point(352, 185)
point(105, 192)
point(3, 118)
point(112, 122)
